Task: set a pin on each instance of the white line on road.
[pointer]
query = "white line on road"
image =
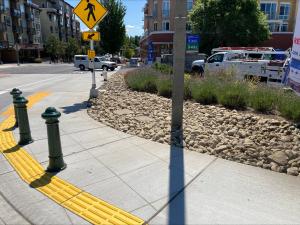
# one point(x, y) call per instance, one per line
point(29, 84)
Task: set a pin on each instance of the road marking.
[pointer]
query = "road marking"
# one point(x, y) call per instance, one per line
point(65, 194)
point(3, 92)
point(31, 101)
point(30, 84)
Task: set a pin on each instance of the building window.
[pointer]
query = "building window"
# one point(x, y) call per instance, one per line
point(6, 4)
point(188, 26)
point(166, 25)
point(51, 29)
point(189, 5)
point(50, 17)
point(284, 11)
point(274, 27)
point(22, 8)
point(155, 9)
point(284, 27)
point(269, 9)
point(166, 8)
point(155, 26)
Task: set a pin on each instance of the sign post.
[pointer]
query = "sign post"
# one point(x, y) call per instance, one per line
point(91, 12)
point(178, 68)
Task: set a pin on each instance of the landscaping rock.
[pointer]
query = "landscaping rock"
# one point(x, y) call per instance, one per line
point(264, 141)
point(279, 157)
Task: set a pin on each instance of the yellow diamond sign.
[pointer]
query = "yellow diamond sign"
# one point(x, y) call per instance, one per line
point(90, 12)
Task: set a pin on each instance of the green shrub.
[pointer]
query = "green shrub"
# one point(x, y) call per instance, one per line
point(163, 68)
point(164, 87)
point(263, 99)
point(204, 92)
point(289, 107)
point(142, 80)
point(234, 95)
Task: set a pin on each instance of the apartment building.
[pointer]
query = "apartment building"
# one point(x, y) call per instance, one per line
point(19, 30)
point(25, 26)
point(281, 16)
point(159, 24)
point(58, 20)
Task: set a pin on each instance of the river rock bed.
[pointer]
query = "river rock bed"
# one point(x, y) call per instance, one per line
point(264, 141)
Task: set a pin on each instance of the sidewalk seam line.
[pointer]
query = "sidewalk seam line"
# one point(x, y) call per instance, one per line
point(16, 210)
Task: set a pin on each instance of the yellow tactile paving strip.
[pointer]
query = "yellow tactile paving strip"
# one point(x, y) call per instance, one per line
point(67, 195)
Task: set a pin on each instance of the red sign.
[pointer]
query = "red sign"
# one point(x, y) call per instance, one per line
point(297, 40)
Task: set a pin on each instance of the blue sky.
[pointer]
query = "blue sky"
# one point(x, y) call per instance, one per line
point(133, 18)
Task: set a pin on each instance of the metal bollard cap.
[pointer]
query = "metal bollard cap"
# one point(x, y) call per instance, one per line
point(16, 92)
point(20, 100)
point(51, 113)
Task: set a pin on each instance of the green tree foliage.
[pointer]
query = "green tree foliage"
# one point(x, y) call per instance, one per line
point(72, 48)
point(52, 46)
point(229, 23)
point(112, 27)
point(129, 52)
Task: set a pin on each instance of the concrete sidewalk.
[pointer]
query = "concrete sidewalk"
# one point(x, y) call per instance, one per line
point(144, 178)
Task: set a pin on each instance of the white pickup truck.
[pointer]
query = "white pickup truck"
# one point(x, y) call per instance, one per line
point(266, 66)
point(82, 62)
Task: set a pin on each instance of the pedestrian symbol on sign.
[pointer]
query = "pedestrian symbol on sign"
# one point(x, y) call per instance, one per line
point(90, 12)
point(91, 9)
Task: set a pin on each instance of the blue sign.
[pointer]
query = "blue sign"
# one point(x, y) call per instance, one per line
point(150, 52)
point(192, 42)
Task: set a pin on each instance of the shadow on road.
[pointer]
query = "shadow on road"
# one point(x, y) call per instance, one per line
point(75, 107)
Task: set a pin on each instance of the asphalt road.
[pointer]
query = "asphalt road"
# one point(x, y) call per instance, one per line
point(31, 78)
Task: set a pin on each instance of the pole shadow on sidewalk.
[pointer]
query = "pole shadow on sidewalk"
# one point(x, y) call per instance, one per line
point(176, 208)
point(75, 107)
point(42, 181)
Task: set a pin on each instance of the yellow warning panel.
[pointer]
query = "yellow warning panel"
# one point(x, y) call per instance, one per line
point(90, 12)
point(91, 54)
point(91, 35)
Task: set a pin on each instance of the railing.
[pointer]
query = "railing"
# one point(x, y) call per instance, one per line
point(3, 27)
point(29, 16)
point(16, 12)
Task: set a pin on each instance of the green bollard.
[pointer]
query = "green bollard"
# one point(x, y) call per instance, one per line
point(15, 93)
point(56, 161)
point(23, 122)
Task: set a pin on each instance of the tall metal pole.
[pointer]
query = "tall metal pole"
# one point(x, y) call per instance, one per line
point(93, 91)
point(179, 45)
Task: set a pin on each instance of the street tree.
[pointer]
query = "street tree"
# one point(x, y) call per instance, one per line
point(72, 48)
point(229, 23)
point(52, 47)
point(112, 27)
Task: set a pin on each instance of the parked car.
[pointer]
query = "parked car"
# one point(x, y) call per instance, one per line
point(82, 62)
point(134, 62)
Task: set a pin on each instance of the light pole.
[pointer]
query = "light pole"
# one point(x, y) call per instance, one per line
point(178, 68)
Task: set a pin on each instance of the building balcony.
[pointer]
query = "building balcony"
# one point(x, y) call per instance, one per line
point(16, 13)
point(29, 17)
point(2, 8)
point(31, 5)
point(4, 44)
point(51, 10)
point(17, 29)
point(3, 27)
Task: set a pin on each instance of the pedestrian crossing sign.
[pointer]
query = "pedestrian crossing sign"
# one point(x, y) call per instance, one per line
point(90, 12)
